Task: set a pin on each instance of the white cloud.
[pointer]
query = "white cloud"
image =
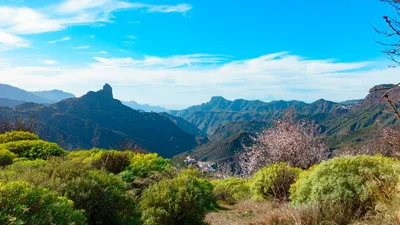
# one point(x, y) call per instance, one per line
point(24, 20)
point(60, 40)
point(191, 79)
point(82, 47)
point(48, 62)
point(92, 36)
point(73, 6)
point(103, 52)
point(9, 41)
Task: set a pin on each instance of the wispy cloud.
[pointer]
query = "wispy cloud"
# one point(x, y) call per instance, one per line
point(82, 47)
point(190, 79)
point(92, 36)
point(16, 21)
point(181, 8)
point(131, 37)
point(60, 40)
point(49, 61)
point(9, 41)
point(133, 22)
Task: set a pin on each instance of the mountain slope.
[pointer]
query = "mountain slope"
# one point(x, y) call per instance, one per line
point(97, 119)
point(53, 95)
point(218, 111)
point(5, 102)
point(14, 93)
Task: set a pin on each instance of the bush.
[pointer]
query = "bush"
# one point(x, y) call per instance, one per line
point(6, 157)
point(351, 185)
point(111, 160)
point(37, 149)
point(147, 169)
point(144, 165)
point(25, 204)
point(230, 190)
point(17, 136)
point(182, 200)
point(273, 181)
point(103, 196)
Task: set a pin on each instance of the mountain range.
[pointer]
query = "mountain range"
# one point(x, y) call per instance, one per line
point(98, 120)
point(12, 95)
point(228, 123)
point(214, 130)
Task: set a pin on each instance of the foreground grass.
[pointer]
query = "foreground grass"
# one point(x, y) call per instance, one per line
point(274, 213)
point(249, 212)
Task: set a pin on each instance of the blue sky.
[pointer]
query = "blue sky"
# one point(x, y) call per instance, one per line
point(178, 53)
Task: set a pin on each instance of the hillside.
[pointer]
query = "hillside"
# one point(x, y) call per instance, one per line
point(5, 102)
point(97, 119)
point(218, 111)
point(228, 122)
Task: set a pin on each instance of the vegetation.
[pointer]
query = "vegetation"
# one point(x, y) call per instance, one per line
point(17, 136)
point(297, 143)
point(34, 149)
point(103, 196)
point(111, 160)
point(22, 203)
point(182, 200)
point(231, 190)
point(273, 182)
point(350, 185)
point(6, 157)
point(147, 169)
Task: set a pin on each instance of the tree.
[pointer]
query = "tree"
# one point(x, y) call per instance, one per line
point(385, 141)
point(298, 143)
point(391, 47)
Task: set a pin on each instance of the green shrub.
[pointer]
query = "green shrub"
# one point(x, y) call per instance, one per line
point(273, 182)
point(144, 165)
point(6, 157)
point(230, 190)
point(349, 185)
point(111, 160)
point(36, 149)
point(17, 136)
point(22, 203)
point(103, 196)
point(182, 200)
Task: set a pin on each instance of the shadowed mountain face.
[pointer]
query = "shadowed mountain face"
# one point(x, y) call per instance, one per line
point(97, 119)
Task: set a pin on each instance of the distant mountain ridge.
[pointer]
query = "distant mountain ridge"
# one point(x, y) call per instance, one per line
point(11, 96)
point(219, 111)
point(14, 93)
point(54, 95)
point(144, 107)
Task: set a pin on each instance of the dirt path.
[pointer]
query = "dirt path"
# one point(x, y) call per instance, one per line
point(244, 213)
